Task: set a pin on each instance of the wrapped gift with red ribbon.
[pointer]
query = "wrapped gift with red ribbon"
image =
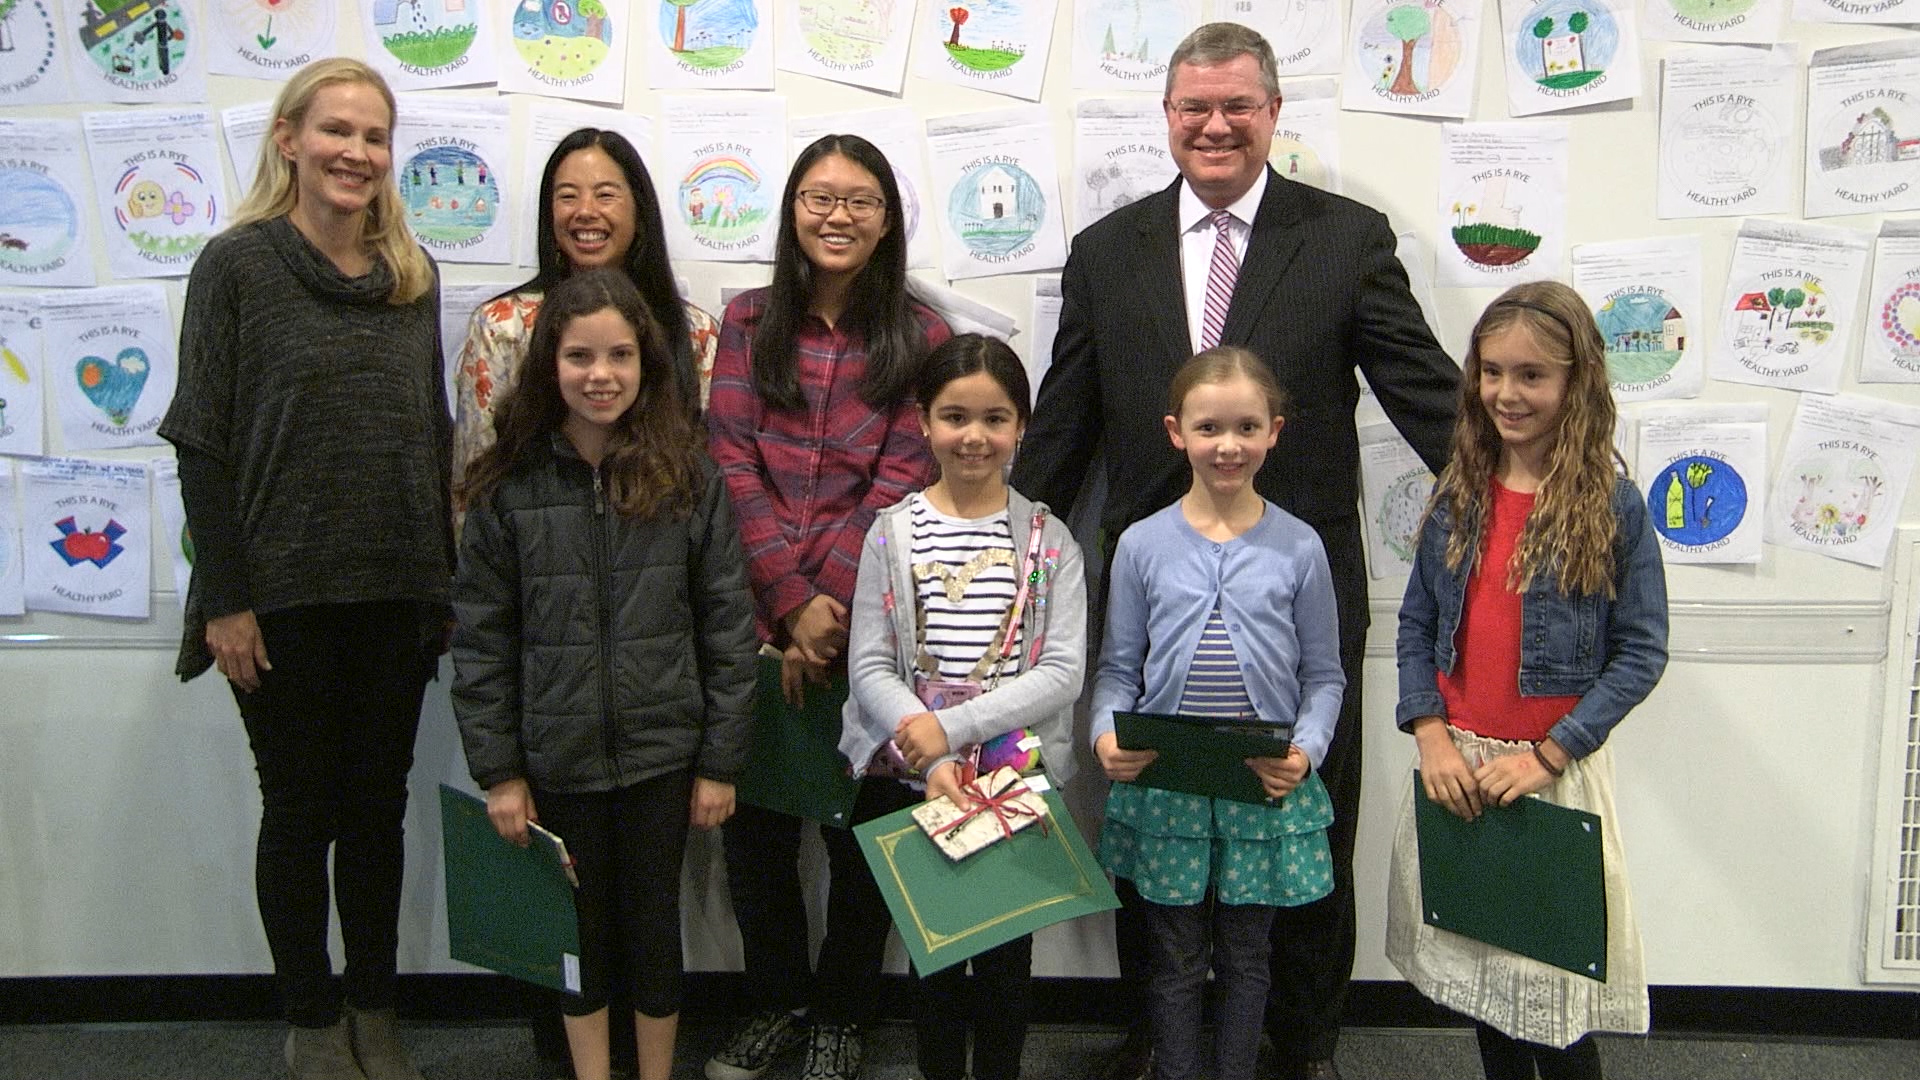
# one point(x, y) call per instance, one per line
point(1002, 804)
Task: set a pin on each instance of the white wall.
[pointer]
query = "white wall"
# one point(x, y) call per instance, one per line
point(128, 804)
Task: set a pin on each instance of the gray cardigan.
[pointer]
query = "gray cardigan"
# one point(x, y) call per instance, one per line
point(882, 645)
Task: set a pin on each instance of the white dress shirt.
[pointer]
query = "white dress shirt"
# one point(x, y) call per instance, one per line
point(1196, 244)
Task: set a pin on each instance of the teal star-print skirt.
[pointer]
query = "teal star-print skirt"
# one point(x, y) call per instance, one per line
point(1173, 846)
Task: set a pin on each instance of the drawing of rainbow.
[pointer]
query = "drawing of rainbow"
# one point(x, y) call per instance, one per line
point(727, 168)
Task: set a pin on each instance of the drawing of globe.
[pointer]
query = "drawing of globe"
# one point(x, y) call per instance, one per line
point(1711, 12)
point(1645, 335)
point(995, 208)
point(1696, 500)
point(38, 221)
point(450, 195)
point(1900, 319)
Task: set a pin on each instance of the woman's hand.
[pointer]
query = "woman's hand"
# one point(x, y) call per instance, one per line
point(921, 739)
point(510, 807)
point(238, 649)
point(819, 628)
point(1512, 776)
point(1280, 775)
point(1443, 772)
point(945, 780)
point(796, 673)
point(1121, 765)
point(712, 803)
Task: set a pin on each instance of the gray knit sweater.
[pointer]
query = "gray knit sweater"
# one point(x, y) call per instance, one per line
point(326, 407)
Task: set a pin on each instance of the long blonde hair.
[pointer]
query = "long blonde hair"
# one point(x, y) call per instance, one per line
point(275, 188)
point(1572, 526)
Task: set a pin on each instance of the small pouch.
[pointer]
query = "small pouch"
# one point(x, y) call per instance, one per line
point(1018, 749)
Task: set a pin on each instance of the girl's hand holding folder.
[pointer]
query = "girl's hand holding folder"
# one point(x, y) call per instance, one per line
point(510, 807)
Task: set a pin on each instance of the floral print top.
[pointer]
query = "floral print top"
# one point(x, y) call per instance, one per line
point(497, 339)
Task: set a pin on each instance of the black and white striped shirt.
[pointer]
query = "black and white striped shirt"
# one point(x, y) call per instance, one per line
point(965, 573)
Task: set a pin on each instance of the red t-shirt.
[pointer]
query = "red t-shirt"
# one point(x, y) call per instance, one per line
point(1483, 692)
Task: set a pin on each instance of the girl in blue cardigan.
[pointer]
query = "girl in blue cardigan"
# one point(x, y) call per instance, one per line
point(1220, 605)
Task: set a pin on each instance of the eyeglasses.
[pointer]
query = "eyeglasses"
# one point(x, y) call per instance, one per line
point(1195, 113)
point(859, 207)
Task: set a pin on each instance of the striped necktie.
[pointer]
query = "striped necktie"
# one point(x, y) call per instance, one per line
point(1221, 273)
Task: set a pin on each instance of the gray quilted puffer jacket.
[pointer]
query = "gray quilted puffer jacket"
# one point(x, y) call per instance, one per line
point(595, 651)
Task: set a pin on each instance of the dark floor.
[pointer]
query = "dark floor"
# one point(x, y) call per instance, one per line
point(250, 1051)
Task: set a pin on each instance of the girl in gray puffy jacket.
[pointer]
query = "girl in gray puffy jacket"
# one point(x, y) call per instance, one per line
point(604, 657)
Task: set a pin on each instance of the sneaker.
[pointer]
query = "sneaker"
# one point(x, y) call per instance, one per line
point(834, 1053)
point(764, 1037)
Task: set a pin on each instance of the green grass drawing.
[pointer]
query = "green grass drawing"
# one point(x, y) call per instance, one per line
point(984, 59)
point(432, 49)
point(712, 57)
point(1570, 80)
point(1631, 368)
point(167, 245)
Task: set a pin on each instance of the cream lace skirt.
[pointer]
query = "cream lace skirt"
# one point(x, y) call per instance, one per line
point(1521, 997)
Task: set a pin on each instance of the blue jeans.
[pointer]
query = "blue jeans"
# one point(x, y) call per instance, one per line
point(1180, 940)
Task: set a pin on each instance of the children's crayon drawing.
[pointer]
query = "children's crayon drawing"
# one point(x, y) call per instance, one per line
point(137, 46)
point(426, 34)
point(995, 208)
point(1695, 500)
point(88, 531)
point(29, 54)
point(1565, 45)
point(708, 35)
point(166, 209)
point(270, 38)
point(450, 193)
point(724, 199)
point(1645, 333)
point(564, 40)
point(39, 223)
point(1124, 44)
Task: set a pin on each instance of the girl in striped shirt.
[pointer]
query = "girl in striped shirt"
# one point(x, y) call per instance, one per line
point(969, 630)
point(1222, 606)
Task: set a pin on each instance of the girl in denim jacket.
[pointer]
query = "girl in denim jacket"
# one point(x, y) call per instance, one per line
point(1535, 619)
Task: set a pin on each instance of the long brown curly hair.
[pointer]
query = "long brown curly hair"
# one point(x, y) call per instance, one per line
point(652, 460)
point(1570, 531)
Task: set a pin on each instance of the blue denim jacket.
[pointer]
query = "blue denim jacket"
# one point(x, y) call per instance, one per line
point(1610, 652)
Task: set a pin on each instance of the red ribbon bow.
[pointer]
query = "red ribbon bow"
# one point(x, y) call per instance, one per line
point(1001, 806)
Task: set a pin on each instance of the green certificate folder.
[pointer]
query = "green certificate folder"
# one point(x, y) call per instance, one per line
point(1202, 757)
point(949, 911)
point(509, 908)
point(795, 765)
point(1525, 877)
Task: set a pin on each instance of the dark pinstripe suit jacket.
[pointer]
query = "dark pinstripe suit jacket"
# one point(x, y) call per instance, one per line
point(1320, 293)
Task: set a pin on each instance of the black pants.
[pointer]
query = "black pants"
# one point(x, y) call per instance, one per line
point(1311, 960)
point(763, 876)
point(332, 728)
point(995, 1002)
point(1505, 1058)
point(846, 984)
point(627, 846)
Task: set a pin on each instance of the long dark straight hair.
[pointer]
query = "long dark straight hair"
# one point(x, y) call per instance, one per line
point(653, 453)
point(876, 303)
point(646, 262)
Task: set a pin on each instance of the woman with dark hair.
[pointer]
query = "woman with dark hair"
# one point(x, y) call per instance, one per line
point(813, 423)
point(598, 209)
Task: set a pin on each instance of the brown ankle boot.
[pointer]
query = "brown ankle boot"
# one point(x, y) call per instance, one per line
point(322, 1053)
point(377, 1046)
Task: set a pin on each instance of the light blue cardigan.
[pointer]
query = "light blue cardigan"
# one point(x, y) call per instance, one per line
point(881, 646)
point(1276, 598)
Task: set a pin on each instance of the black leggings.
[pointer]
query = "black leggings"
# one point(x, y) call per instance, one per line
point(332, 728)
point(626, 847)
point(1505, 1058)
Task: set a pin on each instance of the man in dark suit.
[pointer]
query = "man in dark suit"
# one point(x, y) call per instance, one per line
point(1318, 292)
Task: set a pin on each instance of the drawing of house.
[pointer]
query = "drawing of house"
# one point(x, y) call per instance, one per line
point(994, 192)
point(1673, 331)
point(1755, 315)
point(1493, 205)
point(1563, 54)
